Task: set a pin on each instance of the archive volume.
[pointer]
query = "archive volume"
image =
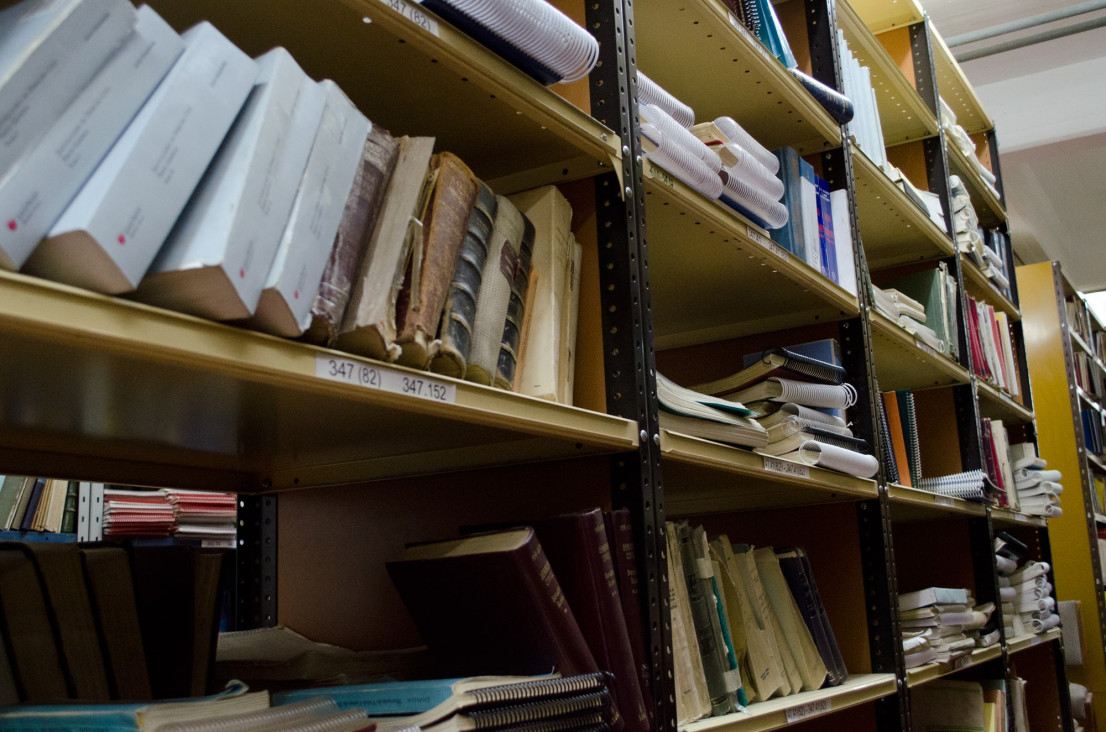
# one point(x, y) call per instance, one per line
point(261, 197)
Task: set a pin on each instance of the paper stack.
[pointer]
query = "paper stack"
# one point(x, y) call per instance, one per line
point(942, 624)
point(1038, 489)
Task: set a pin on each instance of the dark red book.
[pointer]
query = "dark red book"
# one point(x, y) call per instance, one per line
point(491, 604)
point(620, 535)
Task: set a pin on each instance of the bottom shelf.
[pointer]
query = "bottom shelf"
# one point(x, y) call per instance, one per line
point(782, 711)
point(933, 671)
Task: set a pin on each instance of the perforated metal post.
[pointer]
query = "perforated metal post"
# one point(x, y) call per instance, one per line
point(256, 601)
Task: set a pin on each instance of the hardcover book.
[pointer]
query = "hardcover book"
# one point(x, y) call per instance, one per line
point(107, 572)
point(515, 327)
point(215, 260)
point(109, 234)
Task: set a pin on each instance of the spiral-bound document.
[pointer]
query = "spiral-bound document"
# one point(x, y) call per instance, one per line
point(969, 484)
point(832, 396)
point(838, 458)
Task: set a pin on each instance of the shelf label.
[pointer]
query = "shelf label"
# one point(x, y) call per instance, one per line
point(659, 174)
point(367, 376)
point(1036, 640)
point(810, 709)
point(924, 348)
point(753, 40)
point(1021, 517)
point(767, 243)
point(416, 15)
point(946, 501)
point(962, 662)
point(786, 467)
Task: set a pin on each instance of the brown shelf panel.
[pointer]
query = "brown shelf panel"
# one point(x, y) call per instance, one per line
point(106, 389)
point(982, 288)
point(450, 86)
point(779, 712)
point(934, 671)
point(987, 205)
point(912, 504)
point(714, 275)
point(902, 362)
point(893, 228)
point(703, 477)
point(700, 53)
point(903, 115)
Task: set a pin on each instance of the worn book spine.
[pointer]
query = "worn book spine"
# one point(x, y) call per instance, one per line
point(698, 593)
point(378, 158)
point(800, 579)
point(111, 592)
point(511, 342)
point(455, 332)
point(69, 512)
point(620, 536)
point(443, 230)
point(495, 292)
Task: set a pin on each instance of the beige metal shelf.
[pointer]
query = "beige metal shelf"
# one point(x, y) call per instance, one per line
point(884, 15)
point(1006, 517)
point(106, 389)
point(893, 229)
point(954, 87)
point(987, 205)
point(1017, 645)
point(934, 671)
point(714, 275)
point(982, 288)
point(913, 504)
point(416, 81)
point(1088, 400)
point(699, 52)
point(702, 476)
point(997, 404)
point(903, 362)
point(903, 115)
point(779, 712)
point(1078, 340)
point(1097, 465)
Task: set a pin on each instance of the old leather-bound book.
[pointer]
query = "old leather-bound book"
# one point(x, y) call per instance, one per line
point(378, 158)
point(369, 325)
point(511, 343)
point(455, 330)
point(419, 306)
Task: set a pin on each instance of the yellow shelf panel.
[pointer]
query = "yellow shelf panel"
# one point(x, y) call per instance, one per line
point(986, 203)
point(103, 388)
point(415, 81)
point(903, 362)
point(702, 476)
point(982, 288)
point(893, 228)
point(1017, 645)
point(913, 504)
point(997, 404)
point(1006, 517)
point(956, 90)
point(699, 52)
point(883, 15)
point(714, 275)
point(780, 712)
point(903, 115)
point(933, 671)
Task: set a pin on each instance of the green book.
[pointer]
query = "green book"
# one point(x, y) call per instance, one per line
point(9, 497)
point(69, 513)
point(929, 288)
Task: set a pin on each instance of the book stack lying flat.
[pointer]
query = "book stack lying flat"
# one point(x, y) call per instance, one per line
point(1028, 604)
point(700, 415)
point(1038, 489)
point(137, 513)
point(910, 314)
point(533, 35)
point(964, 143)
point(942, 624)
point(209, 517)
point(798, 394)
point(931, 294)
point(748, 624)
point(969, 237)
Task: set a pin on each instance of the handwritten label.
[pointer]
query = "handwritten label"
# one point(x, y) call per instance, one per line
point(767, 243)
point(384, 379)
point(658, 174)
point(786, 467)
point(413, 13)
point(962, 662)
point(944, 501)
point(926, 349)
point(810, 709)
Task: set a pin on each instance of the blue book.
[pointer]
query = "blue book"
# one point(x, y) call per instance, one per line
point(828, 249)
point(808, 205)
point(790, 236)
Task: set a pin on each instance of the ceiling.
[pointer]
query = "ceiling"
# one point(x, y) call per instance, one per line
point(1048, 102)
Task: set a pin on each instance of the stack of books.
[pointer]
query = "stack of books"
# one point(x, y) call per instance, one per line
point(932, 293)
point(137, 512)
point(798, 394)
point(38, 504)
point(701, 415)
point(969, 237)
point(1038, 489)
point(959, 137)
point(209, 517)
point(911, 315)
point(751, 629)
point(205, 517)
point(942, 624)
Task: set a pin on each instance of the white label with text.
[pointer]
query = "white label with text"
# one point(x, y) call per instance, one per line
point(786, 467)
point(925, 348)
point(414, 14)
point(810, 709)
point(962, 662)
point(1037, 640)
point(1021, 517)
point(944, 501)
point(368, 376)
point(657, 173)
point(767, 243)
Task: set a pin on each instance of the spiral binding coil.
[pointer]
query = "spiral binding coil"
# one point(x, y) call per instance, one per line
point(736, 133)
point(541, 688)
point(650, 92)
point(771, 213)
point(830, 396)
point(681, 162)
point(683, 137)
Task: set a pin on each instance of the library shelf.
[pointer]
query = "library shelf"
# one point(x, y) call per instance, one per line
point(982, 288)
point(893, 229)
point(885, 15)
point(702, 476)
point(933, 671)
point(714, 275)
point(1096, 462)
point(1088, 399)
point(118, 391)
point(1004, 517)
point(1024, 642)
point(986, 203)
point(914, 504)
point(955, 88)
point(550, 139)
point(779, 712)
point(995, 403)
point(903, 362)
point(1100, 519)
point(690, 47)
point(903, 115)
point(1082, 344)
